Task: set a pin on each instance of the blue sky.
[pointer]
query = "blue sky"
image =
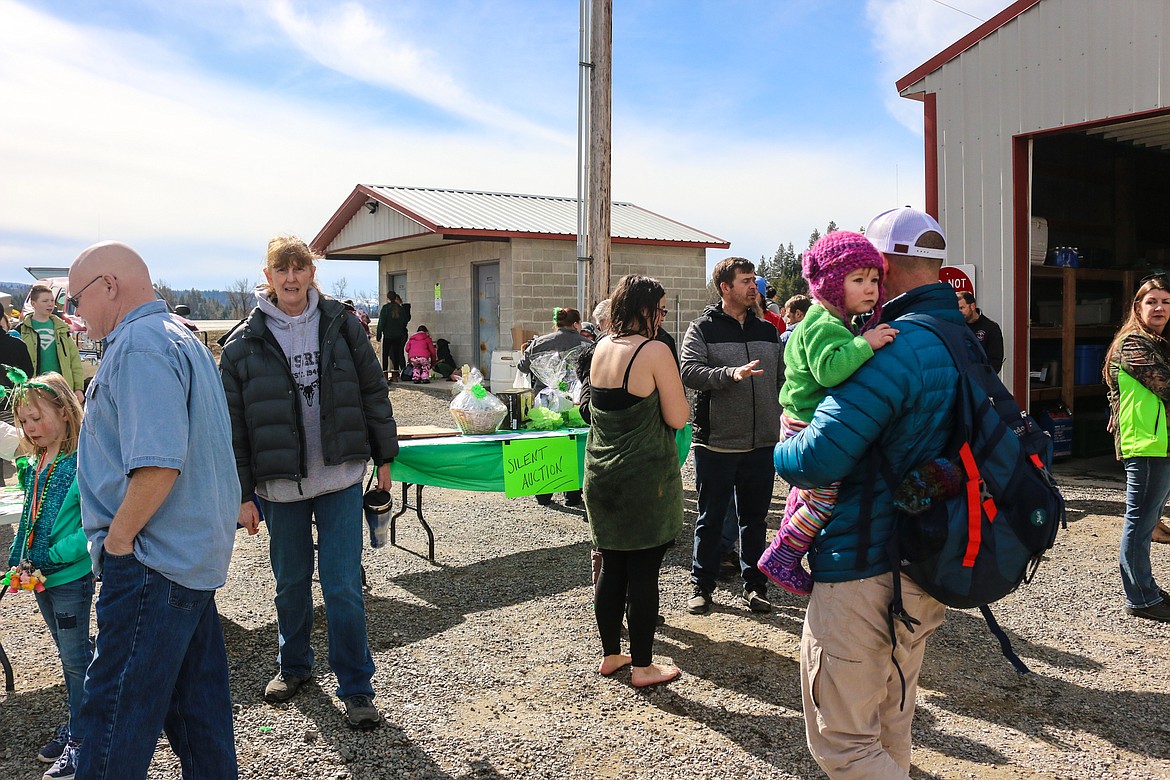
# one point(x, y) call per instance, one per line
point(196, 130)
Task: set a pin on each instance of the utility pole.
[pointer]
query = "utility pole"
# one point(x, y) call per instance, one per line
point(584, 65)
point(600, 134)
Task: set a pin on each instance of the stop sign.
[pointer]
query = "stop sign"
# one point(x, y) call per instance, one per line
point(961, 277)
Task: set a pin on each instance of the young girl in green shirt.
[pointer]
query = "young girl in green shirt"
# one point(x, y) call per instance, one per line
point(845, 274)
point(49, 556)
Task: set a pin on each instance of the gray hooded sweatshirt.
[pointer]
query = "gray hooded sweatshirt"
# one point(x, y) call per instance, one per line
point(300, 340)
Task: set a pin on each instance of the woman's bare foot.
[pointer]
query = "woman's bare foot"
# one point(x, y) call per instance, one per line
point(611, 663)
point(654, 674)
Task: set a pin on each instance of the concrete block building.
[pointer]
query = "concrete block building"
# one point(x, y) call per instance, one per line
point(473, 265)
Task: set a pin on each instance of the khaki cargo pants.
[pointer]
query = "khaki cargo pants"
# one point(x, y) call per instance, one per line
point(849, 684)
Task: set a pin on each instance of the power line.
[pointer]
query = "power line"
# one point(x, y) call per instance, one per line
point(960, 10)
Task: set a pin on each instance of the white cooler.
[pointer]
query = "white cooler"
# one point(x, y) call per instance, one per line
point(504, 364)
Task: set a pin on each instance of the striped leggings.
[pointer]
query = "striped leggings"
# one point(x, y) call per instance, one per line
point(807, 511)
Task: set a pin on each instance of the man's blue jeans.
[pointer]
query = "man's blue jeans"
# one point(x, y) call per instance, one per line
point(747, 478)
point(1147, 486)
point(339, 555)
point(159, 664)
point(65, 609)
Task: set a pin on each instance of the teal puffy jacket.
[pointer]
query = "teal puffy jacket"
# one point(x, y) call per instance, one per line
point(902, 400)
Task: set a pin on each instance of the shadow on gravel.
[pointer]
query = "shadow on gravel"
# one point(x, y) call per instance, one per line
point(751, 671)
point(383, 752)
point(1079, 510)
point(375, 754)
point(1043, 707)
point(499, 582)
point(30, 718)
point(736, 666)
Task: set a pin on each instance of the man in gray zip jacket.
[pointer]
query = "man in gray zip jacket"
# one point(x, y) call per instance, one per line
point(732, 358)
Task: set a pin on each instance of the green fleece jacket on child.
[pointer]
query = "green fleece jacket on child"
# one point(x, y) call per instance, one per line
point(64, 556)
point(821, 353)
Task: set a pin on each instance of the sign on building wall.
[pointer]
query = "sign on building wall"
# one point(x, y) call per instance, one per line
point(438, 297)
point(961, 277)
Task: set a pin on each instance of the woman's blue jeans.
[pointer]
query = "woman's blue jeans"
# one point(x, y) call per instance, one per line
point(1147, 487)
point(65, 609)
point(340, 529)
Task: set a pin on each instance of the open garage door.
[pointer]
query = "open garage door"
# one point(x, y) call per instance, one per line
point(1100, 207)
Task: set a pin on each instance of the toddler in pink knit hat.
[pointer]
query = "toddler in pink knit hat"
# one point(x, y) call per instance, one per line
point(846, 275)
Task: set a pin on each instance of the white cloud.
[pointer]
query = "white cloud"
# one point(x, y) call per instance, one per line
point(907, 33)
point(756, 194)
point(107, 134)
point(349, 40)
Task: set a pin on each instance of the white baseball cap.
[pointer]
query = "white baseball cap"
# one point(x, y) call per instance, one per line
point(896, 232)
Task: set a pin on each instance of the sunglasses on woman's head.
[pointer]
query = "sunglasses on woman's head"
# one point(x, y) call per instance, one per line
point(1159, 274)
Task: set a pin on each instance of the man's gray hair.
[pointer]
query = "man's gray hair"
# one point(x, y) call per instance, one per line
point(601, 315)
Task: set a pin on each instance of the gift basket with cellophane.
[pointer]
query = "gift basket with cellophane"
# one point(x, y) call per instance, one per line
point(475, 409)
point(556, 405)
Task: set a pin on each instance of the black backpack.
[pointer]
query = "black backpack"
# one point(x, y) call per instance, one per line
point(975, 545)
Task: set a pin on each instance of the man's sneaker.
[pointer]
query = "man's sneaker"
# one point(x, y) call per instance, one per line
point(699, 603)
point(283, 687)
point(66, 763)
point(360, 712)
point(55, 746)
point(756, 600)
point(1159, 611)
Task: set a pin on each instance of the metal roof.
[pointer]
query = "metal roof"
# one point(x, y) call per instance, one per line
point(426, 216)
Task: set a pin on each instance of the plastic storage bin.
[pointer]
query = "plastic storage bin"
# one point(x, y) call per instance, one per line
point(1088, 360)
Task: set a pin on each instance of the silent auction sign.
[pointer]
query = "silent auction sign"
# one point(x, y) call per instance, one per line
point(536, 466)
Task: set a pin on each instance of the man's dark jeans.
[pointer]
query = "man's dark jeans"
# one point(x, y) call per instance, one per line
point(723, 477)
point(160, 664)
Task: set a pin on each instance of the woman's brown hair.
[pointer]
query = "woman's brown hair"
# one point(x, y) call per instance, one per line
point(1133, 322)
point(288, 252)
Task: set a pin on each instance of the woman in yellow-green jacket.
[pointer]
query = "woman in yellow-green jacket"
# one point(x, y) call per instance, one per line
point(1137, 372)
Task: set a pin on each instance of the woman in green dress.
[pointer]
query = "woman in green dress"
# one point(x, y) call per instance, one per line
point(633, 487)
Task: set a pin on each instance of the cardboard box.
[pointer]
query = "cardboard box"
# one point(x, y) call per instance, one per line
point(520, 337)
point(1095, 312)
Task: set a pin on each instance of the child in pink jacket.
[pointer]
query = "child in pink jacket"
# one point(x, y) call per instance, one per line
point(420, 353)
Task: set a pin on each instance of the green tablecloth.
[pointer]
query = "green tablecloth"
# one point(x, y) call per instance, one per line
point(477, 462)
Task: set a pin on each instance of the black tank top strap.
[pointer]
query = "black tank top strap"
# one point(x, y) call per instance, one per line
point(626, 378)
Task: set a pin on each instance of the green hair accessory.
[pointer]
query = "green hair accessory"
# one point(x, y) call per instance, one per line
point(21, 384)
point(556, 314)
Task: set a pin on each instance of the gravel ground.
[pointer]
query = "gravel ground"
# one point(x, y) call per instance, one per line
point(486, 663)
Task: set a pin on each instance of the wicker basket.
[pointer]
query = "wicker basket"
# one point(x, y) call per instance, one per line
point(478, 420)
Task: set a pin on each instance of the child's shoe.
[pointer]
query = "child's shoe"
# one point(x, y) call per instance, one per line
point(795, 580)
point(55, 746)
point(65, 765)
point(781, 564)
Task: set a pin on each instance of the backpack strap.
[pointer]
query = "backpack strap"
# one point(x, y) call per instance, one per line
point(895, 611)
point(1005, 644)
